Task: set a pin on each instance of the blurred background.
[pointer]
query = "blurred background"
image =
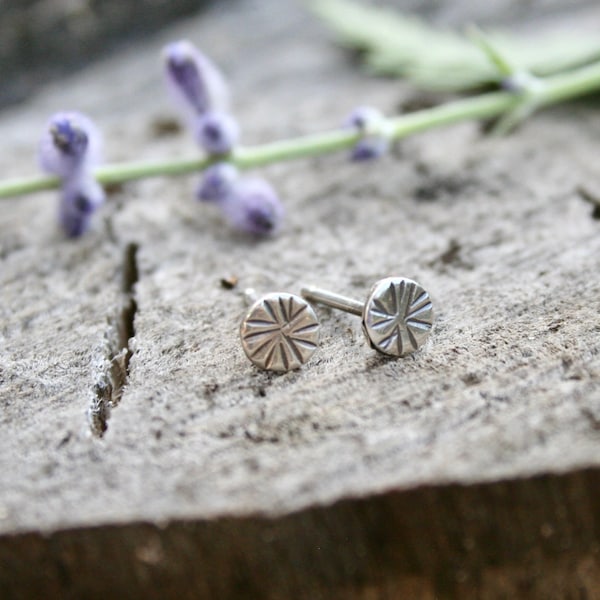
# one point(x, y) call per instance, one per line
point(42, 39)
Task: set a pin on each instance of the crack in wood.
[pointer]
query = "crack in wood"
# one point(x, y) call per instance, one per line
point(99, 409)
point(591, 197)
point(109, 390)
point(126, 323)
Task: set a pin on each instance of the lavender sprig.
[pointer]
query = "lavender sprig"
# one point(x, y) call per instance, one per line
point(193, 80)
point(253, 207)
point(217, 182)
point(217, 132)
point(70, 142)
point(202, 97)
point(576, 83)
point(70, 148)
point(372, 126)
point(81, 198)
point(250, 205)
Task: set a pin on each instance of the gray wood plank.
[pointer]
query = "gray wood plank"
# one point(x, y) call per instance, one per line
point(200, 453)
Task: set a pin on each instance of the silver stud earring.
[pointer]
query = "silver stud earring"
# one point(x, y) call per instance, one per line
point(397, 316)
point(280, 332)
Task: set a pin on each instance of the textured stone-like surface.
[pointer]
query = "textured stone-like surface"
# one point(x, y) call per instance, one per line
point(507, 386)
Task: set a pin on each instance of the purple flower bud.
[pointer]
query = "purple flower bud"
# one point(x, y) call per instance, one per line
point(195, 83)
point(370, 122)
point(217, 182)
point(253, 207)
point(369, 148)
point(364, 119)
point(73, 223)
point(217, 132)
point(81, 197)
point(71, 142)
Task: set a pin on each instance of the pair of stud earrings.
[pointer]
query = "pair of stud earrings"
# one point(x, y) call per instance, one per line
point(281, 331)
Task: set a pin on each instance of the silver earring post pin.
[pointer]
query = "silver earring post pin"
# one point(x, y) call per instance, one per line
point(397, 316)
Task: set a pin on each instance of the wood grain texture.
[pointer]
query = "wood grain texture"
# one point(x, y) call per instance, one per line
point(528, 538)
point(142, 452)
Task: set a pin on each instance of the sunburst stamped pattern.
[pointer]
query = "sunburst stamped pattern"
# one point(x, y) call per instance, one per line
point(280, 332)
point(398, 316)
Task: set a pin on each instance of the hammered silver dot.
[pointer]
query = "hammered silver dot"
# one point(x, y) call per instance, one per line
point(397, 316)
point(280, 332)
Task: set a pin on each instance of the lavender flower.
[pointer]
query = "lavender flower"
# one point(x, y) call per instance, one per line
point(195, 83)
point(81, 197)
point(253, 207)
point(369, 148)
point(70, 148)
point(364, 119)
point(217, 182)
point(71, 142)
point(370, 122)
point(217, 132)
point(250, 205)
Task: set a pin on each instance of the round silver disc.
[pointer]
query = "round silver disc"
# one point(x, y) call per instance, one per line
point(397, 316)
point(280, 332)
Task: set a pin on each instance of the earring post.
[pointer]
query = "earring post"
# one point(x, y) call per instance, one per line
point(348, 305)
point(250, 296)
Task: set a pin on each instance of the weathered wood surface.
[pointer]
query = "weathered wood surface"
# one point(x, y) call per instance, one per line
point(471, 469)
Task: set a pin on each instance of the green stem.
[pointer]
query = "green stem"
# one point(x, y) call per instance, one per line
point(555, 89)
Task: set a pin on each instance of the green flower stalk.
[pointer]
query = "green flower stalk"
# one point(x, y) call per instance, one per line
point(547, 91)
